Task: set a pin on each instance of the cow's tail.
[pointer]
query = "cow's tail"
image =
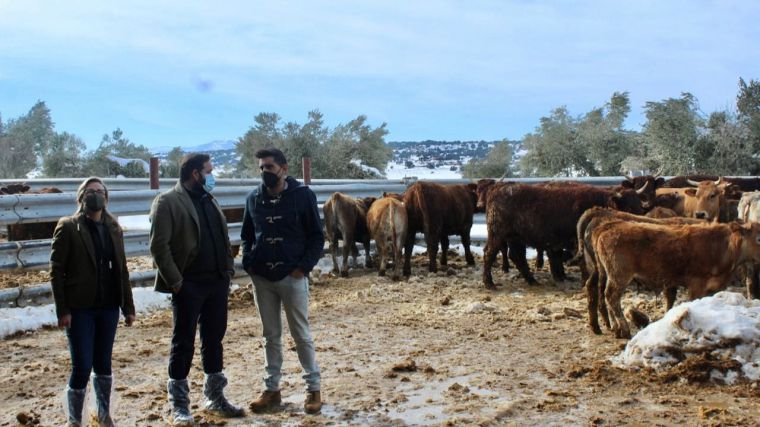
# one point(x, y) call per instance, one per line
point(392, 226)
point(580, 229)
point(423, 211)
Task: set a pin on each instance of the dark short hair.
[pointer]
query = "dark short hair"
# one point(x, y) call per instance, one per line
point(279, 158)
point(191, 162)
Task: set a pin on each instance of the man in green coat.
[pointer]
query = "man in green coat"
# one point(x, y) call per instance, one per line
point(191, 249)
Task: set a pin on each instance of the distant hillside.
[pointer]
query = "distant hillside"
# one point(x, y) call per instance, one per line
point(448, 155)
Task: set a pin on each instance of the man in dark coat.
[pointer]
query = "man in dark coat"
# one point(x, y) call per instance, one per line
point(282, 241)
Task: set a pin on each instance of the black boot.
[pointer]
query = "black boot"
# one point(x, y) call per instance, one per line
point(179, 397)
point(216, 403)
point(74, 404)
point(101, 384)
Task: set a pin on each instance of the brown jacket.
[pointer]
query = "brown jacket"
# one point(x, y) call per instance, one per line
point(73, 272)
point(174, 231)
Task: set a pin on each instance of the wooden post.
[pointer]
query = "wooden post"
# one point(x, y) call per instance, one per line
point(154, 173)
point(306, 170)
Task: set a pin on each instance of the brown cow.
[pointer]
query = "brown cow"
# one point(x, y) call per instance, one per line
point(346, 218)
point(387, 222)
point(701, 258)
point(703, 202)
point(660, 212)
point(645, 186)
point(31, 231)
point(438, 211)
point(590, 274)
point(743, 184)
point(542, 216)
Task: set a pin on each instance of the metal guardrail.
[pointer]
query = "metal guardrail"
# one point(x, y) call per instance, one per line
point(134, 184)
point(33, 208)
point(35, 254)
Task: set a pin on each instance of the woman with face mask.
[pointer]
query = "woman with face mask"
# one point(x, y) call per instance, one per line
point(88, 270)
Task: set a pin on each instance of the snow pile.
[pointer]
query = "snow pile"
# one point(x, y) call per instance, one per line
point(724, 327)
point(124, 162)
point(16, 319)
point(369, 169)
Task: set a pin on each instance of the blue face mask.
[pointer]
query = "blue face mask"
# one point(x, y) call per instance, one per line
point(209, 183)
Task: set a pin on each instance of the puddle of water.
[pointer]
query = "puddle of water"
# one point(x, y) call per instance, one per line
point(425, 404)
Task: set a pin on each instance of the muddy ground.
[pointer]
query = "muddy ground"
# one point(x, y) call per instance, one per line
point(463, 355)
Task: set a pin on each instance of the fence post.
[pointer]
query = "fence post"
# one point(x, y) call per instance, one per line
point(154, 173)
point(306, 170)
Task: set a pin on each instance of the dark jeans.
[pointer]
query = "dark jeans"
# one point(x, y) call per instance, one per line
point(91, 337)
point(194, 304)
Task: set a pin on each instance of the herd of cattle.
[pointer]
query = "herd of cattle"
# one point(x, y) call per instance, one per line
point(700, 233)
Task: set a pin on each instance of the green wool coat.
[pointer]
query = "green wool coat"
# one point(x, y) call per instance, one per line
point(174, 231)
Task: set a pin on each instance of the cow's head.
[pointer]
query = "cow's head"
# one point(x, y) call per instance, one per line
point(626, 200)
point(367, 202)
point(706, 198)
point(482, 188)
point(645, 187)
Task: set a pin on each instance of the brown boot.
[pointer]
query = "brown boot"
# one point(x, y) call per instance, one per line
point(313, 402)
point(266, 402)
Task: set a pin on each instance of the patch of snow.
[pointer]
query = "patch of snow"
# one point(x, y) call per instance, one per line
point(123, 162)
point(368, 169)
point(17, 319)
point(134, 222)
point(726, 325)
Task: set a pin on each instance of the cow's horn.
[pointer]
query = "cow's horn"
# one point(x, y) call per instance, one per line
point(692, 183)
point(504, 175)
point(720, 179)
point(643, 188)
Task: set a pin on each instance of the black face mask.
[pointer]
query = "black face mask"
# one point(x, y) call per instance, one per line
point(270, 179)
point(95, 201)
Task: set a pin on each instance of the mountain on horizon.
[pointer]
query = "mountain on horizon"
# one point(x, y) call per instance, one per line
point(216, 145)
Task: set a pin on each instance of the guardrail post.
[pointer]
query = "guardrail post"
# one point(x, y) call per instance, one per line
point(154, 173)
point(306, 170)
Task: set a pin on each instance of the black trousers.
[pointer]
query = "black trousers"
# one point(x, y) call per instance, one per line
point(203, 304)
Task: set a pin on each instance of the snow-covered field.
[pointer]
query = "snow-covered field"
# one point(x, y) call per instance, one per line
point(398, 171)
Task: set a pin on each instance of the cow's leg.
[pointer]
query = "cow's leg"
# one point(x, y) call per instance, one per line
point(348, 243)
point(539, 258)
point(753, 282)
point(517, 255)
point(489, 255)
point(382, 259)
point(592, 296)
point(334, 254)
point(396, 259)
point(670, 297)
point(444, 250)
point(613, 294)
point(408, 247)
point(505, 258)
point(556, 257)
point(432, 247)
point(354, 255)
point(601, 281)
point(466, 243)
point(367, 257)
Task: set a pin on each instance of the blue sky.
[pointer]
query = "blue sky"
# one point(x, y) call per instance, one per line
point(185, 73)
